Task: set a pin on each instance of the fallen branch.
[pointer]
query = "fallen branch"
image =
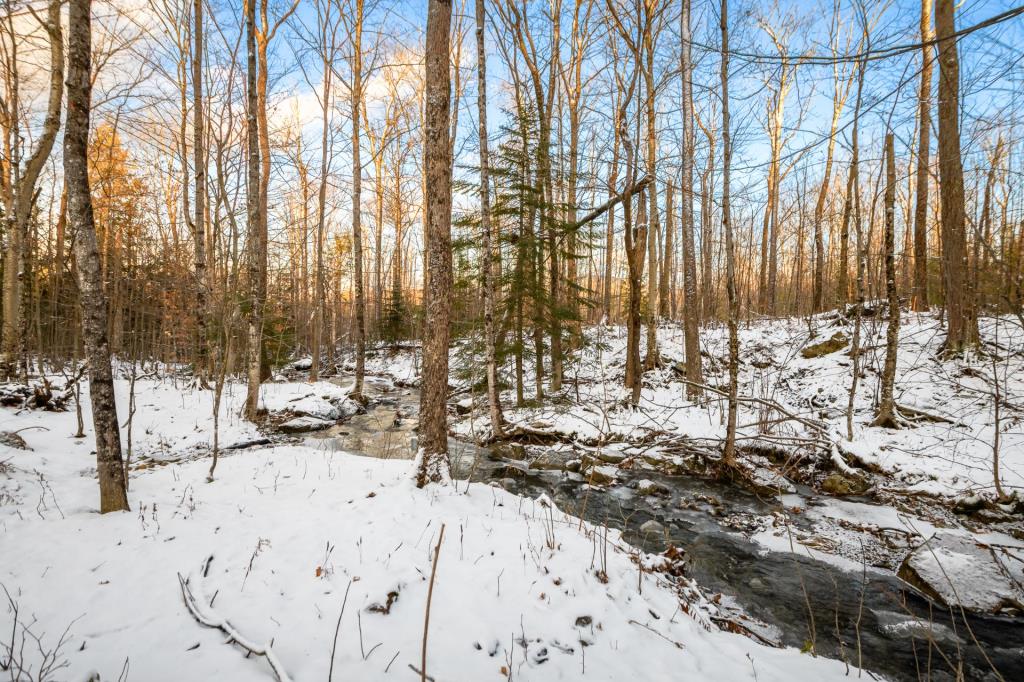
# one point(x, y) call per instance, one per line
point(809, 423)
point(920, 415)
point(205, 616)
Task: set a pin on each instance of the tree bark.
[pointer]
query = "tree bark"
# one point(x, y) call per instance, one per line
point(887, 407)
point(653, 227)
point(729, 451)
point(110, 468)
point(487, 257)
point(201, 361)
point(432, 461)
point(919, 298)
point(691, 311)
point(961, 309)
point(355, 100)
point(22, 191)
point(255, 226)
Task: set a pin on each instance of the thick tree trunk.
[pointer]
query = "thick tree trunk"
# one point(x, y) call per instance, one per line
point(487, 255)
point(919, 298)
point(110, 468)
point(961, 309)
point(432, 461)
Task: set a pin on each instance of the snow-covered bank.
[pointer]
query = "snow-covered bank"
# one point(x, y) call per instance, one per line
point(949, 457)
point(522, 591)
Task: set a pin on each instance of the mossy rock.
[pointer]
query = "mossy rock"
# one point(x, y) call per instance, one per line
point(837, 484)
point(837, 342)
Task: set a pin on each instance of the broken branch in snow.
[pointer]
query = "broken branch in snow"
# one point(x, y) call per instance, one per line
point(205, 616)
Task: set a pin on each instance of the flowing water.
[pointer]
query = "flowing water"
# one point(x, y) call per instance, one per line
point(869, 619)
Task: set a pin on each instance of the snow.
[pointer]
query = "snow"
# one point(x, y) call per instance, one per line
point(944, 459)
point(291, 530)
point(962, 571)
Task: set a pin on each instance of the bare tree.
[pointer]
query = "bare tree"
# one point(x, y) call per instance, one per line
point(691, 311)
point(887, 406)
point(432, 461)
point(729, 451)
point(354, 25)
point(109, 465)
point(20, 186)
point(919, 299)
point(487, 254)
point(326, 46)
point(842, 80)
point(255, 227)
point(201, 360)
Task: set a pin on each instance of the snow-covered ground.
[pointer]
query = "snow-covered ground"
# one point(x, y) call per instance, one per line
point(284, 533)
point(948, 458)
point(522, 591)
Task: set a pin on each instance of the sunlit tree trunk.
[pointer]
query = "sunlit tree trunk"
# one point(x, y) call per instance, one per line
point(109, 465)
point(432, 461)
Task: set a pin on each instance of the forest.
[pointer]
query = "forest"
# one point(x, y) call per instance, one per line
point(512, 340)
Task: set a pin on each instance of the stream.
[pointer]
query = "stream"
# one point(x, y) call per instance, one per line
point(870, 619)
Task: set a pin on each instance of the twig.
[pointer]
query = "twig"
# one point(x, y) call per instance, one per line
point(426, 618)
point(337, 628)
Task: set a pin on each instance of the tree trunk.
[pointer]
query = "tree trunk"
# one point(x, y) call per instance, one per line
point(432, 461)
point(201, 360)
point(919, 299)
point(113, 494)
point(320, 293)
point(21, 197)
point(355, 99)
point(691, 311)
point(729, 451)
point(653, 228)
point(254, 224)
point(635, 242)
point(961, 309)
point(493, 400)
point(887, 406)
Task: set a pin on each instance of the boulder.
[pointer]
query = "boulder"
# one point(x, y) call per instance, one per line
point(598, 475)
point(838, 484)
point(304, 425)
point(957, 570)
point(610, 457)
point(837, 342)
point(646, 487)
point(543, 463)
point(652, 527)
